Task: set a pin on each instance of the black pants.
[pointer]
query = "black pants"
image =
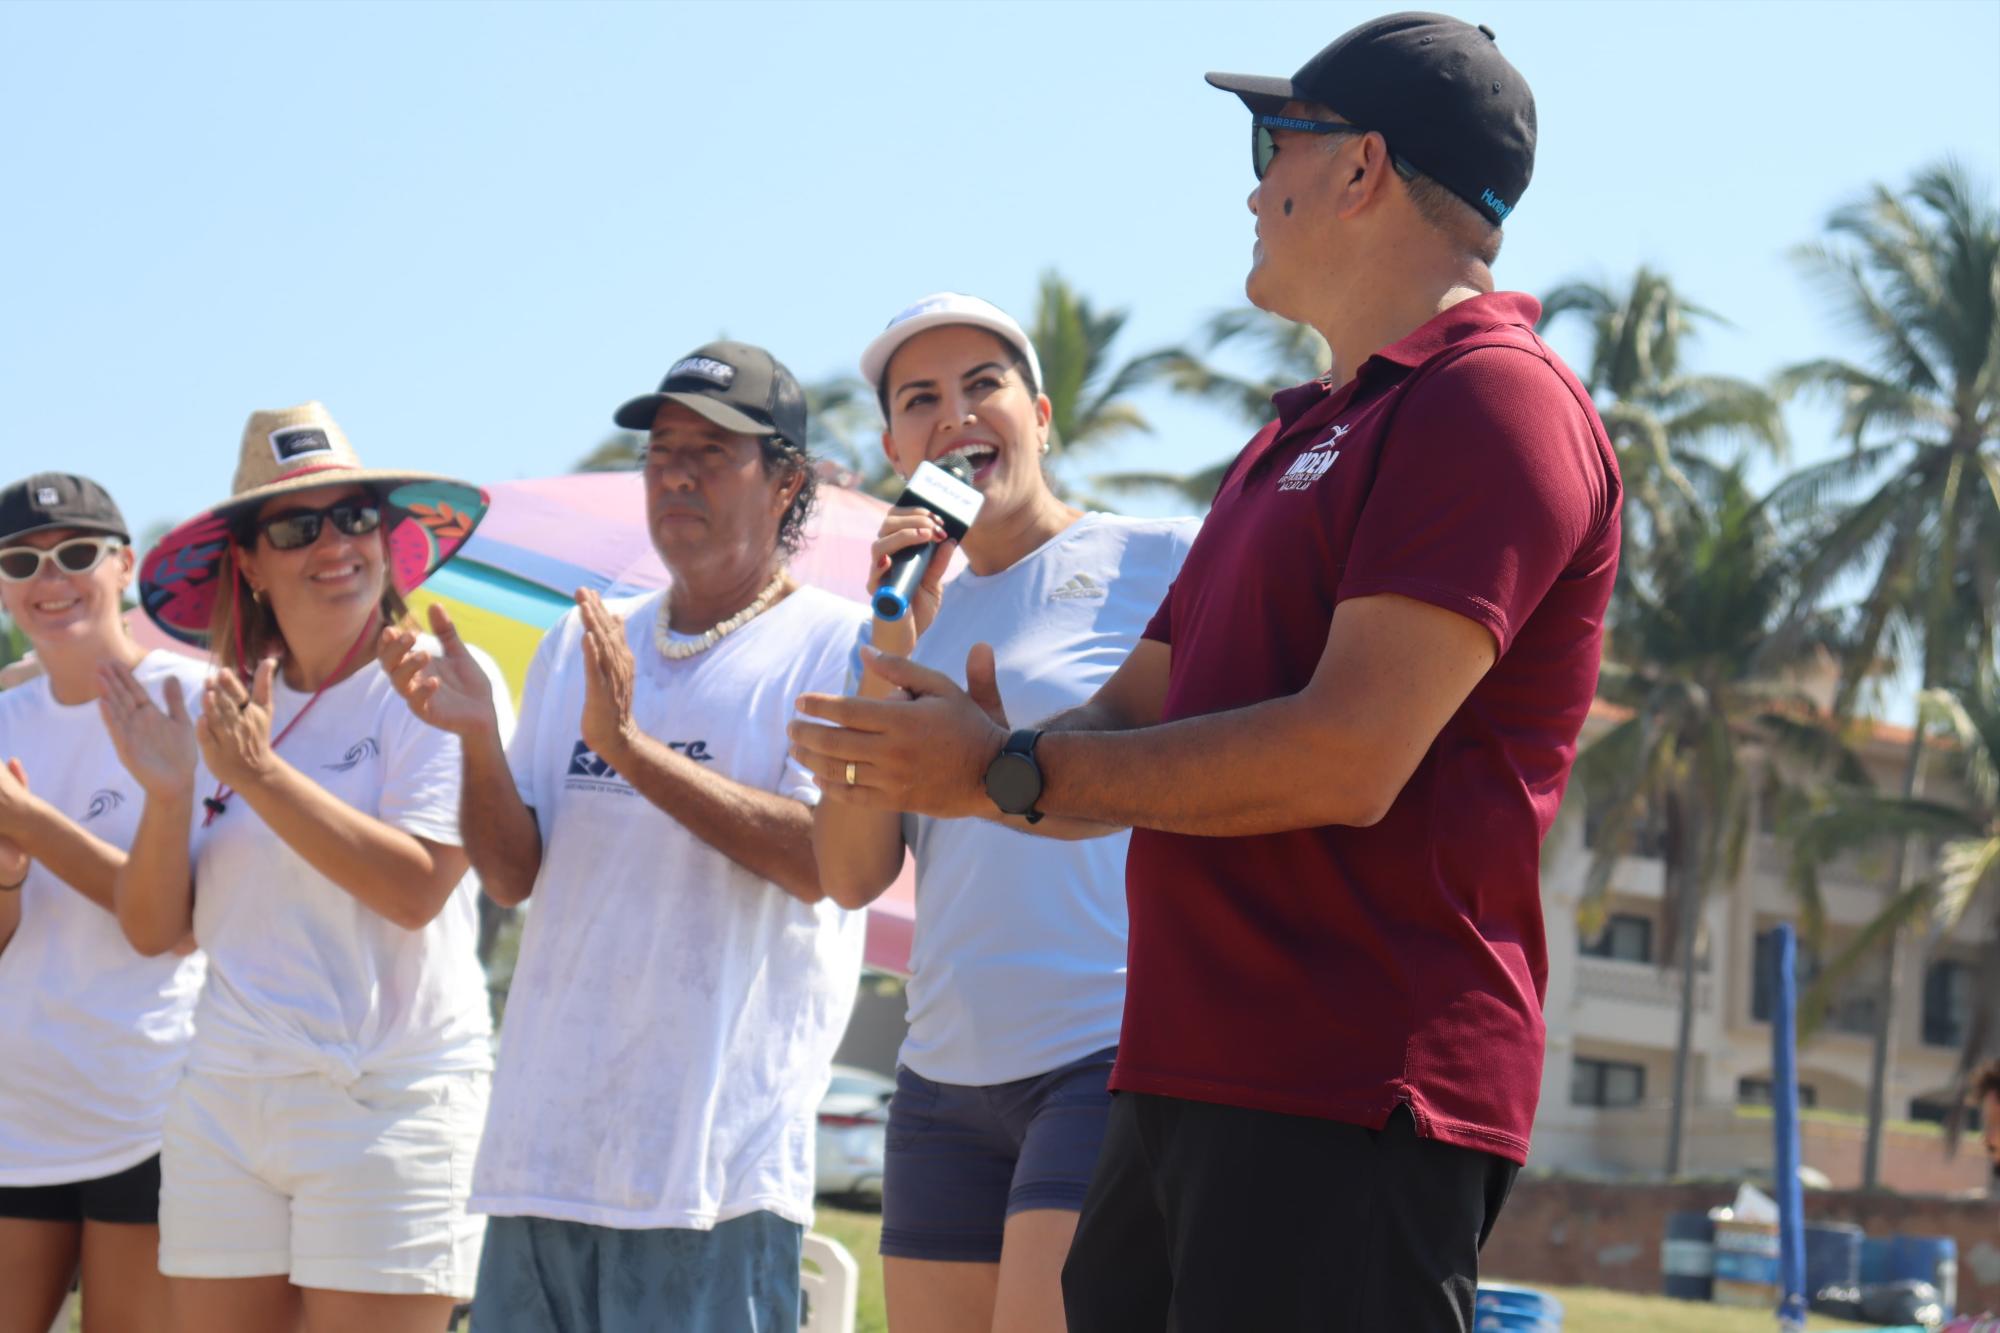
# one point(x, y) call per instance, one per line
point(1217, 1219)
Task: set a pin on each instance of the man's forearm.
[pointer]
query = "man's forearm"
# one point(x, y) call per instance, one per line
point(1265, 768)
point(502, 839)
point(767, 834)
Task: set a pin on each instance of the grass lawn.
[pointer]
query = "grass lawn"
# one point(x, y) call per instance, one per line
point(1586, 1310)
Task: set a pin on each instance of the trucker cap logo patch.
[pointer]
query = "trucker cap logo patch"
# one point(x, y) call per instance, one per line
point(47, 495)
point(719, 373)
point(290, 442)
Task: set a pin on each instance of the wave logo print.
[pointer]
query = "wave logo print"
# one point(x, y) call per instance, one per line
point(102, 802)
point(590, 771)
point(360, 750)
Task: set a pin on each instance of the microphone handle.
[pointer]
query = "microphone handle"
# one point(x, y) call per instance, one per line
point(899, 585)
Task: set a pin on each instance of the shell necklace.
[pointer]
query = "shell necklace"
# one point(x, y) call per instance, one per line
point(676, 647)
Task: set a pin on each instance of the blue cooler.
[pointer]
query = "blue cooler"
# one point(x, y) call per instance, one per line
point(1833, 1256)
point(1932, 1259)
point(1498, 1308)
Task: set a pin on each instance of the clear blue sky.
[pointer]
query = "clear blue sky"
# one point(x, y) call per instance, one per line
point(473, 229)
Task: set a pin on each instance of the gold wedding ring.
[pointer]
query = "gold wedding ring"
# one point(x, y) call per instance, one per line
point(850, 772)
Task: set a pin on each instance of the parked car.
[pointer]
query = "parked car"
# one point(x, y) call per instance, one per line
point(853, 1132)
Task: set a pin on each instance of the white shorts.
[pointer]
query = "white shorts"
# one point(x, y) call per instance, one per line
point(360, 1188)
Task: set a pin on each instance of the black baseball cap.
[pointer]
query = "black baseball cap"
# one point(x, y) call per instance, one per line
point(52, 500)
point(738, 386)
point(1437, 89)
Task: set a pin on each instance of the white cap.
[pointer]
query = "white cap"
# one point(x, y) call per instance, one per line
point(937, 310)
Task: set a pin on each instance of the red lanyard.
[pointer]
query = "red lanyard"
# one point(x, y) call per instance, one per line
point(219, 802)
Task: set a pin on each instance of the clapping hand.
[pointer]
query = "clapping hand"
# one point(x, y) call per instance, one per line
point(451, 692)
point(609, 670)
point(235, 730)
point(157, 747)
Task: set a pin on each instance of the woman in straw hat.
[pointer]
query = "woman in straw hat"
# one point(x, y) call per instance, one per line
point(1017, 978)
point(91, 1033)
point(318, 1149)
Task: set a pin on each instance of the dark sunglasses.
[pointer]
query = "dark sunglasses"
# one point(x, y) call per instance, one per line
point(1264, 144)
point(78, 555)
point(298, 528)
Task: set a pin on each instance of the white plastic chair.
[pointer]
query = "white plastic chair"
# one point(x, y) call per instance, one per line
point(830, 1281)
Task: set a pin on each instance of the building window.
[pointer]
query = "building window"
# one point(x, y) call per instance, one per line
point(1947, 1002)
point(1935, 1110)
point(1606, 1083)
point(1626, 937)
point(1762, 1092)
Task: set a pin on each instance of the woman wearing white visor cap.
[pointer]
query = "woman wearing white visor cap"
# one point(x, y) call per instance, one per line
point(1018, 968)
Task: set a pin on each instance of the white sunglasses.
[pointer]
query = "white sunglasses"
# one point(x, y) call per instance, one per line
point(78, 555)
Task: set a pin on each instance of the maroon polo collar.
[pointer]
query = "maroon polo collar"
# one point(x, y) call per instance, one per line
point(1459, 322)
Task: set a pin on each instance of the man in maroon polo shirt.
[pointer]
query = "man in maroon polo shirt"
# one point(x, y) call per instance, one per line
point(1339, 747)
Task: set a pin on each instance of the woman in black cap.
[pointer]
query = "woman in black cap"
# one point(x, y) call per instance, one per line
point(92, 1035)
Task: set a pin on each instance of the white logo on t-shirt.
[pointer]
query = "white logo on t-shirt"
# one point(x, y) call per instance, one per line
point(1314, 463)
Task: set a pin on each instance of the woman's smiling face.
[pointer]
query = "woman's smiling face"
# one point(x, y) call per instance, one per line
point(959, 389)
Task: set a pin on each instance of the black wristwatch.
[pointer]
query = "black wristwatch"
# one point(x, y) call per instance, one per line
point(1014, 779)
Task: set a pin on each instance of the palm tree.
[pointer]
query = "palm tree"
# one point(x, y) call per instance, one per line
point(1684, 660)
point(1845, 818)
point(1664, 422)
point(1088, 391)
point(620, 451)
point(1289, 353)
point(1917, 274)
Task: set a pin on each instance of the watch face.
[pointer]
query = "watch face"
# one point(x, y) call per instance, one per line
point(1014, 781)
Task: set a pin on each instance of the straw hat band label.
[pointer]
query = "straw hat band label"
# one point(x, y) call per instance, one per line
point(290, 442)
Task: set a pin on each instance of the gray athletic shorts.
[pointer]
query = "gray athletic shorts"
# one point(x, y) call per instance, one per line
point(962, 1160)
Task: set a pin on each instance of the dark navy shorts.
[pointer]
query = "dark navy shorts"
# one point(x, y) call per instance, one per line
point(962, 1160)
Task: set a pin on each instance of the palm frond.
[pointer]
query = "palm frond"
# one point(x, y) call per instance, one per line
point(1869, 941)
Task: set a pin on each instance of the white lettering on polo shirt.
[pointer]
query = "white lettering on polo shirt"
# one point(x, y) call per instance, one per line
point(1314, 463)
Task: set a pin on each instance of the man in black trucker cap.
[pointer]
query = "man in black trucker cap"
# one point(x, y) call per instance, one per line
point(1374, 666)
point(647, 1161)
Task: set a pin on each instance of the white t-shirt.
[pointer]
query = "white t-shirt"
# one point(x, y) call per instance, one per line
point(673, 1015)
point(92, 1035)
point(1018, 964)
point(303, 977)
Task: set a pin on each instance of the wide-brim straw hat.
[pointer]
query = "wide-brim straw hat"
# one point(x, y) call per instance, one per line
point(427, 517)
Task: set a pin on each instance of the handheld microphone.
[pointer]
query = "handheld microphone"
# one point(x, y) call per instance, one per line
point(944, 488)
